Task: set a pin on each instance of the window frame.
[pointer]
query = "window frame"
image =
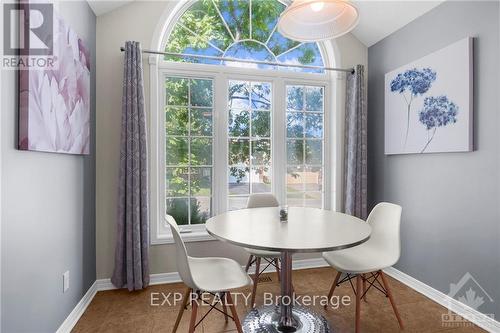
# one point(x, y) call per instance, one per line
point(221, 75)
point(189, 137)
point(250, 137)
point(177, 11)
point(304, 138)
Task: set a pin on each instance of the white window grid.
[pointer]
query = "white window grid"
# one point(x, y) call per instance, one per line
point(304, 138)
point(251, 138)
point(221, 75)
point(189, 138)
point(236, 39)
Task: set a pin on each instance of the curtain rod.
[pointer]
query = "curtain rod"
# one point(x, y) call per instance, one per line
point(349, 70)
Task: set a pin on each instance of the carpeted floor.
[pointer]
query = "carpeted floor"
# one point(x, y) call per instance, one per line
point(121, 311)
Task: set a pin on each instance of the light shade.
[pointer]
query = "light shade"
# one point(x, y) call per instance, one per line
point(317, 20)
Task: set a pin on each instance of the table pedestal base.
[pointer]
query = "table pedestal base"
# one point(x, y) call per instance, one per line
point(266, 320)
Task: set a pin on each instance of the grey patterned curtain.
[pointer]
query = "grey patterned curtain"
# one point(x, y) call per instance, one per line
point(355, 169)
point(132, 239)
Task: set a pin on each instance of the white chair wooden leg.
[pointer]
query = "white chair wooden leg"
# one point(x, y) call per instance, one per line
point(255, 281)
point(234, 313)
point(224, 306)
point(334, 285)
point(358, 303)
point(364, 289)
point(187, 296)
point(391, 299)
point(194, 311)
point(249, 263)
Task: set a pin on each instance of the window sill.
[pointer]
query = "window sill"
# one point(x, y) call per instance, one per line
point(187, 237)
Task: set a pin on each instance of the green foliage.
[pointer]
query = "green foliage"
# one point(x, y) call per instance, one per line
point(183, 153)
point(177, 151)
point(239, 122)
point(314, 125)
point(261, 123)
point(239, 152)
point(198, 216)
point(314, 152)
point(239, 173)
point(176, 120)
point(201, 93)
point(261, 152)
point(253, 97)
point(202, 18)
point(177, 182)
point(295, 98)
point(265, 14)
point(308, 56)
point(237, 16)
point(314, 99)
point(178, 209)
point(189, 110)
point(201, 28)
point(177, 91)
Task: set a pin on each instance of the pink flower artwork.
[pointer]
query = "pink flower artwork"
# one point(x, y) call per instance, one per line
point(54, 103)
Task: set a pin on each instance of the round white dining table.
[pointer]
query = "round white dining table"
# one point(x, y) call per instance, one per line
point(306, 230)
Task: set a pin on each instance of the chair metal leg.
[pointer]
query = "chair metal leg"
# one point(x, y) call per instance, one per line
point(185, 300)
point(249, 263)
point(358, 302)
point(334, 285)
point(194, 310)
point(277, 263)
point(229, 299)
point(255, 280)
point(391, 299)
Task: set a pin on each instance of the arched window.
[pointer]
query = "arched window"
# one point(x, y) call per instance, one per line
point(226, 130)
point(238, 29)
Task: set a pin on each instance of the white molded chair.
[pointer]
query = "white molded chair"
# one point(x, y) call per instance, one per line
point(217, 276)
point(261, 200)
point(365, 262)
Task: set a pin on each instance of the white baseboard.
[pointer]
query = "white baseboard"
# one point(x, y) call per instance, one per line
point(459, 308)
point(297, 264)
point(173, 277)
point(474, 316)
point(78, 311)
point(162, 278)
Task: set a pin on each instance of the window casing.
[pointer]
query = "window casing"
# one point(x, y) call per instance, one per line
point(242, 29)
point(188, 152)
point(221, 78)
point(304, 145)
point(249, 125)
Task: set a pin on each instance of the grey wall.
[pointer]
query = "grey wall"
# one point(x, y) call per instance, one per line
point(451, 218)
point(48, 213)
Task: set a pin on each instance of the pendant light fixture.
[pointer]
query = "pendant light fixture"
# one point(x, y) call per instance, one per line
point(317, 20)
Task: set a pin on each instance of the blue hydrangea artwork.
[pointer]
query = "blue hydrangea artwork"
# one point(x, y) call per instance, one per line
point(410, 84)
point(437, 112)
point(429, 102)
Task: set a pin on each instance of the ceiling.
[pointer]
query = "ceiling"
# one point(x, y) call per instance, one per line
point(378, 19)
point(102, 7)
